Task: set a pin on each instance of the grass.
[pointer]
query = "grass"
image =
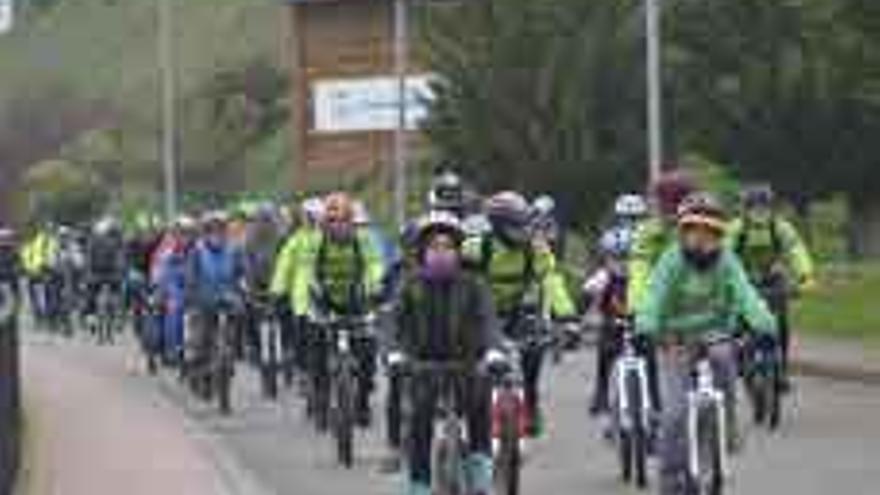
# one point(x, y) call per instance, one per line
point(846, 304)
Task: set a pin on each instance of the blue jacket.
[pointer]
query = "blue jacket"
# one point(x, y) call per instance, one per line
point(215, 273)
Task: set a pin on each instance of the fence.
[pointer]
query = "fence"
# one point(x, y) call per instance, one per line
point(10, 407)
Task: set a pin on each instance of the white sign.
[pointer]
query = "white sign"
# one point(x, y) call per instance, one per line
point(6, 14)
point(368, 104)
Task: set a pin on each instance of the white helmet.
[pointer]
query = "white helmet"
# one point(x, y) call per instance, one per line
point(361, 215)
point(313, 209)
point(630, 205)
point(616, 242)
point(439, 221)
point(544, 205)
point(105, 226)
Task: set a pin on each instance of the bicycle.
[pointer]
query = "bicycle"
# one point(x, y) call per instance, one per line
point(336, 401)
point(632, 408)
point(106, 315)
point(707, 423)
point(448, 456)
point(222, 367)
point(273, 358)
point(509, 426)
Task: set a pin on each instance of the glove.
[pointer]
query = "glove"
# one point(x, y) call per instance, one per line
point(496, 361)
point(807, 285)
point(395, 360)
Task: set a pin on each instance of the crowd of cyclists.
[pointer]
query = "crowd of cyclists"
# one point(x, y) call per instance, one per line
point(475, 282)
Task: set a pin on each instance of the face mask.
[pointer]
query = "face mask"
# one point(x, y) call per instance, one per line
point(702, 260)
point(339, 232)
point(440, 265)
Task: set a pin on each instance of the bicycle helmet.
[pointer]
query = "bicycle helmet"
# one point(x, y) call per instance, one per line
point(436, 222)
point(702, 210)
point(312, 209)
point(670, 189)
point(616, 243)
point(544, 205)
point(447, 192)
point(630, 206)
point(758, 196)
point(508, 207)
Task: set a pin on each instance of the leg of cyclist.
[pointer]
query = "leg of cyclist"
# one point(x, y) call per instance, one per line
point(532, 361)
point(606, 351)
point(393, 420)
point(365, 350)
point(421, 433)
point(319, 356)
point(672, 439)
point(478, 400)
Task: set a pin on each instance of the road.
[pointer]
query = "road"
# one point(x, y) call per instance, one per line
point(830, 444)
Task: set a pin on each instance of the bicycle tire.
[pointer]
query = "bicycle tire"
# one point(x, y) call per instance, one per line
point(639, 437)
point(223, 369)
point(343, 412)
point(775, 400)
point(711, 483)
point(508, 460)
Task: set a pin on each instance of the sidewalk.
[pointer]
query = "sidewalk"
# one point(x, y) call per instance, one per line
point(836, 359)
point(93, 429)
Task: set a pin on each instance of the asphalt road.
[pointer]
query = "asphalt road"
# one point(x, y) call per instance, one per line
point(830, 442)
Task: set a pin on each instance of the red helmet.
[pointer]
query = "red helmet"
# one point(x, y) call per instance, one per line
point(671, 188)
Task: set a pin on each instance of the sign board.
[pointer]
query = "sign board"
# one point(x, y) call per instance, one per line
point(368, 104)
point(6, 15)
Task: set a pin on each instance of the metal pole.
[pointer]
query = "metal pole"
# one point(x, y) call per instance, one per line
point(401, 51)
point(655, 96)
point(169, 132)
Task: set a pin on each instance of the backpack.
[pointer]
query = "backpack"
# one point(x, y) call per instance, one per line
point(775, 238)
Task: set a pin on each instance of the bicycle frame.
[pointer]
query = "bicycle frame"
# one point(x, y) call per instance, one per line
point(705, 395)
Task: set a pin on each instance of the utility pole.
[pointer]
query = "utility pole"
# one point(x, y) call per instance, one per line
point(401, 54)
point(165, 40)
point(655, 96)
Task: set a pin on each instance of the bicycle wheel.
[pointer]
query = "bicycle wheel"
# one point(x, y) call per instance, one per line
point(711, 477)
point(633, 441)
point(343, 414)
point(774, 400)
point(223, 367)
point(447, 467)
point(508, 460)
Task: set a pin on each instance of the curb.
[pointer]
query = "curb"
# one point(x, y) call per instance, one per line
point(836, 372)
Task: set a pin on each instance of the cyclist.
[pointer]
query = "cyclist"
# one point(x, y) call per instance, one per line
point(630, 210)
point(546, 224)
point(105, 264)
point(37, 257)
point(261, 240)
point(213, 280)
point(299, 247)
point(605, 289)
point(774, 255)
point(698, 288)
point(446, 314)
point(168, 272)
point(340, 276)
point(10, 266)
point(521, 272)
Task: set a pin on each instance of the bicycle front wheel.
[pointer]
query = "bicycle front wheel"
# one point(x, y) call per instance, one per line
point(343, 412)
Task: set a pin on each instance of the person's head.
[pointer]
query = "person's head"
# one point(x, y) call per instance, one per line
point(509, 214)
point(438, 239)
point(106, 227)
point(544, 206)
point(338, 217)
point(759, 203)
point(311, 211)
point(670, 189)
point(701, 228)
point(214, 229)
point(447, 193)
point(630, 208)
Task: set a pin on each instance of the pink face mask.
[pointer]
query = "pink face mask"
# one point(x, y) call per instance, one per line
point(440, 265)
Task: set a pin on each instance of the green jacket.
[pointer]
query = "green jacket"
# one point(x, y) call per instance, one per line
point(336, 271)
point(38, 254)
point(299, 247)
point(682, 300)
point(760, 247)
point(651, 238)
point(513, 273)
